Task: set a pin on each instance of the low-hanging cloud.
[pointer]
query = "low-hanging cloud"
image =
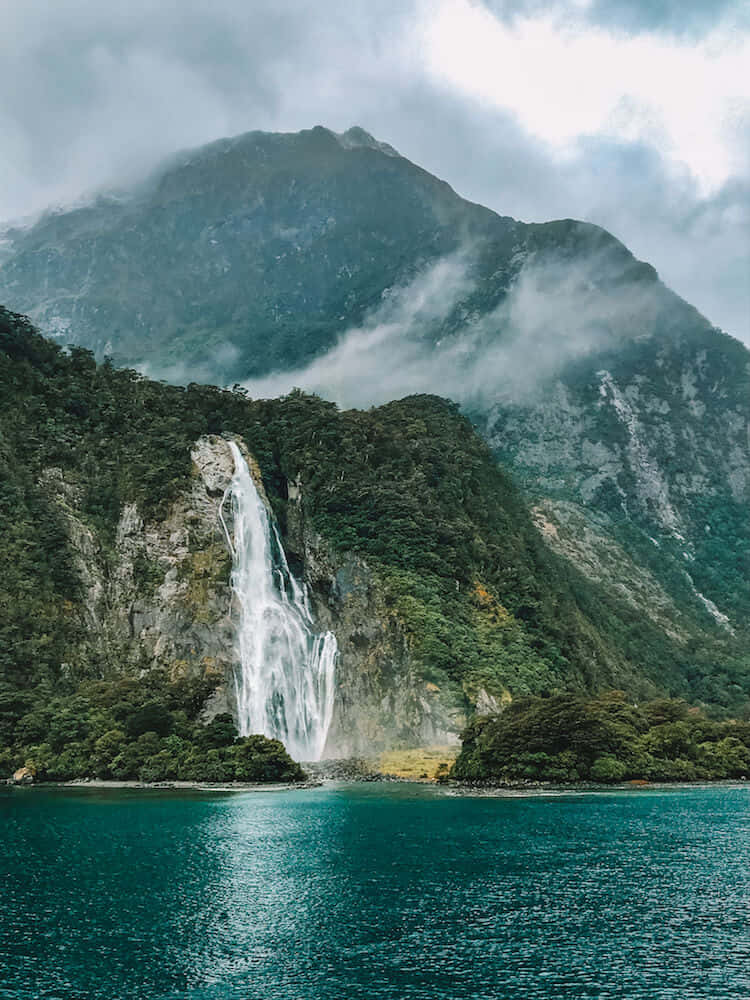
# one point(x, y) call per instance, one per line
point(391, 354)
point(554, 313)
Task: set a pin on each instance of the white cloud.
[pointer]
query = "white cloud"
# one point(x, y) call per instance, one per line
point(565, 78)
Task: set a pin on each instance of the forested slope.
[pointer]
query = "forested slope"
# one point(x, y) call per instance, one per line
point(485, 609)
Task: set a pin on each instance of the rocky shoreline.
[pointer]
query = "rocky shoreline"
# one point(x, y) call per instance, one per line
point(346, 769)
point(196, 786)
point(360, 770)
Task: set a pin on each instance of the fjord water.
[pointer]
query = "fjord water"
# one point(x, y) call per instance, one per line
point(374, 892)
point(285, 674)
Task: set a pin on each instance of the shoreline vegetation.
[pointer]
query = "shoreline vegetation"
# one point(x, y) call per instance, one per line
point(570, 738)
point(146, 729)
point(559, 741)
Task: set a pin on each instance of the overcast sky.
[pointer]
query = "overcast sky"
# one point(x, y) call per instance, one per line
point(634, 114)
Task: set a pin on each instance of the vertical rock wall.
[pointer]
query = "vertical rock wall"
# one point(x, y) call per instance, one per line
point(161, 597)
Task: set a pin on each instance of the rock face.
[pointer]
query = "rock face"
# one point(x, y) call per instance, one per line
point(576, 534)
point(162, 598)
point(646, 451)
point(23, 776)
point(381, 699)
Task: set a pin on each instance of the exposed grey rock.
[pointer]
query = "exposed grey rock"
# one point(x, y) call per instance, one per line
point(576, 534)
point(162, 598)
point(381, 698)
point(487, 704)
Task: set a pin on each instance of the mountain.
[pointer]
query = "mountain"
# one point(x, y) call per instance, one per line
point(254, 254)
point(332, 263)
point(415, 546)
point(239, 258)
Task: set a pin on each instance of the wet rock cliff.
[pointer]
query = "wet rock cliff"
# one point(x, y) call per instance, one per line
point(160, 596)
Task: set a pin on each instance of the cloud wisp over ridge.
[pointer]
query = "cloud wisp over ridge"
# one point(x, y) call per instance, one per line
point(553, 314)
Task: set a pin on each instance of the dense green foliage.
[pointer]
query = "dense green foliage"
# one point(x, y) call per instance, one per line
point(143, 728)
point(408, 486)
point(568, 738)
point(412, 486)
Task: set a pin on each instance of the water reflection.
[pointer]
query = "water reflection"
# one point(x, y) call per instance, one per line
point(377, 892)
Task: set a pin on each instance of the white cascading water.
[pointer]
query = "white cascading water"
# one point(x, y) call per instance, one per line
point(284, 681)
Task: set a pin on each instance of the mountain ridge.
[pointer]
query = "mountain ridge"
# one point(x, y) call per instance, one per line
point(351, 272)
point(225, 168)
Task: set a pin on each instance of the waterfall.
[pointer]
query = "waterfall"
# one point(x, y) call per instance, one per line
point(284, 679)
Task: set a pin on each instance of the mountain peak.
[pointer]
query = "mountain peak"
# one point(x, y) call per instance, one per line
point(357, 138)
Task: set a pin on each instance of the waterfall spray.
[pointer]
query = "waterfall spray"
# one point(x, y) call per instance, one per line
point(285, 674)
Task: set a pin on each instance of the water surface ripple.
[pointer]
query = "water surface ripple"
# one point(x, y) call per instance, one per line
point(375, 892)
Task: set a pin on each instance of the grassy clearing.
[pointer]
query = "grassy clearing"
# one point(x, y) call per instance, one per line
point(419, 763)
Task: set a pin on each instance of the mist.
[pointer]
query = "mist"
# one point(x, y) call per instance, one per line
point(554, 313)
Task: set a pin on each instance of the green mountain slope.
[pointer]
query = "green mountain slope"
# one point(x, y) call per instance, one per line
point(480, 607)
point(245, 256)
point(620, 410)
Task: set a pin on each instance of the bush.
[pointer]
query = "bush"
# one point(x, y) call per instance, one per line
point(257, 758)
point(607, 769)
point(153, 717)
point(147, 729)
point(569, 737)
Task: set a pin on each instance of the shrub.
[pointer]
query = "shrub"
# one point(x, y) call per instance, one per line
point(568, 737)
point(607, 769)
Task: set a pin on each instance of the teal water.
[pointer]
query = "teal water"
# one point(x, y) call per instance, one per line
point(374, 892)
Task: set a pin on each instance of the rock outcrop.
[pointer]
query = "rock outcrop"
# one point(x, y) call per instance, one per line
point(161, 597)
point(23, 776)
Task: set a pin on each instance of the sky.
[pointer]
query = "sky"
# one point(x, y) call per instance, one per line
point(633, 114)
